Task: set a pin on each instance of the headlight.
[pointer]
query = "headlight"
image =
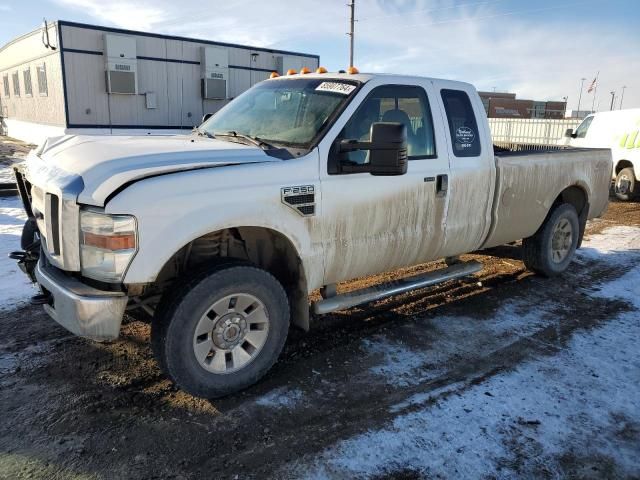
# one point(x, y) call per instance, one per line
point(107, 245)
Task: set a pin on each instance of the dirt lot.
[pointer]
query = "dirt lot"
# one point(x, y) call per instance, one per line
point(504, 375)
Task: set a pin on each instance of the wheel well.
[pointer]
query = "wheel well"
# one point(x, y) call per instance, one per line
point(577, 197)
point(263, 247)
point(623, 164)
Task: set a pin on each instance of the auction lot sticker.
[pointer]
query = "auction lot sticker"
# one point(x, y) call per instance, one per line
point(336, 87)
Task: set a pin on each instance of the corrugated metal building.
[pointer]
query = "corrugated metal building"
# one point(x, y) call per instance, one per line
point(71, 78)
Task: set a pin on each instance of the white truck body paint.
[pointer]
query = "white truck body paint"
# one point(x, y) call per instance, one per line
point(618, 130)
point(362, 224)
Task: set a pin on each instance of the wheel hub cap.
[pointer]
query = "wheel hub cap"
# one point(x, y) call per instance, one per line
point(561, 240)
point(623, 184)
point(231, 333)
point(229, 330)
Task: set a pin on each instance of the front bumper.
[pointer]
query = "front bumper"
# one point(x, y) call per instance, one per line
point(81, 309)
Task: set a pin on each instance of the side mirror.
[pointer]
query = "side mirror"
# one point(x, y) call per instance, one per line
point(387, 150)
point(569, 133)
point(206, 117)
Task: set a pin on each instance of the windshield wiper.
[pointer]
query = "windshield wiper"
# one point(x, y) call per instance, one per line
point(202, 133)
point(252, 140)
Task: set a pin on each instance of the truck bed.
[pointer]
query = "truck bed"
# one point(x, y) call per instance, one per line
point(527, 184)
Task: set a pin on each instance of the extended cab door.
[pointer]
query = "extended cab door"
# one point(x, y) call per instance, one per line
point(373, 224)
point(472, 167)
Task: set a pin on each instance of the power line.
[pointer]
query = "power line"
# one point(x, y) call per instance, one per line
point(497, 15)
point(427, 10)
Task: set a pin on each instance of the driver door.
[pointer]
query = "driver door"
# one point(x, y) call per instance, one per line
point(372, 224)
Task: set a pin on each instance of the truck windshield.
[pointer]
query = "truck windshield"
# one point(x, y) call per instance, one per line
point(289, 112)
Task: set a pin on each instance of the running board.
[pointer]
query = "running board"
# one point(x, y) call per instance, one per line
point(378, 292)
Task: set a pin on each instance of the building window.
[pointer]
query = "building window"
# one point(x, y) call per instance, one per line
point(42, 80)
point(16, 83)
point(26, 76)
point(5, 81)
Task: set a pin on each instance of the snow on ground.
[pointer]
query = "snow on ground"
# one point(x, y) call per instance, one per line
point(14, 285)
point(6, 174)
point(281, 398)
point(520, 423)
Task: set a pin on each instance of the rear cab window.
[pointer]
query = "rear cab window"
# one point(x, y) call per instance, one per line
point(463, 127)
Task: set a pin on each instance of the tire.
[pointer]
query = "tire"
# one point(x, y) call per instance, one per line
point(228, 333)
point(549, 251)
point(625, 186)
point(28, 237)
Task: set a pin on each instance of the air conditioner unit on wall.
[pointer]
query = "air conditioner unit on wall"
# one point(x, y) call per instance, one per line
point(121, 64)
point(215, 73)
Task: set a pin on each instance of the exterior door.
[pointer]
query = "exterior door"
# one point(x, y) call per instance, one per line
point(372, 223)
point(472, 168)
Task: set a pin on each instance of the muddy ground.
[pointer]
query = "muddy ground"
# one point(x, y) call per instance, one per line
point(72, 408)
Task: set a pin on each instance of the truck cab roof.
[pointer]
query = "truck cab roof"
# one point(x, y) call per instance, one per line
point(378, 77)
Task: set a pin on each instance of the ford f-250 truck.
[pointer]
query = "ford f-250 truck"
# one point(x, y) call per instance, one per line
point(301, 182)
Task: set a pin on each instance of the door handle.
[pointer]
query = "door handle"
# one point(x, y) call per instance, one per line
point(442, 185)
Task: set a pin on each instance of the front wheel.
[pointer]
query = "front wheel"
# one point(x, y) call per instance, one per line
point(625, 184)
point(550, 250)
point(222, 331)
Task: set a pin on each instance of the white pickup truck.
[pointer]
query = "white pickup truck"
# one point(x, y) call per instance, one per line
point(302, 182)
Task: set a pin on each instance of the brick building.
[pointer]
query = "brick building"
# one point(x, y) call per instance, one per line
point(506, 105)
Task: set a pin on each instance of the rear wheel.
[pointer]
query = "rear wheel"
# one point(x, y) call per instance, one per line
point(550, 250)
point(625, 184)
point(222, 331)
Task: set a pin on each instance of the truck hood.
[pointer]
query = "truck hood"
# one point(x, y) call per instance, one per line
point(99, 165)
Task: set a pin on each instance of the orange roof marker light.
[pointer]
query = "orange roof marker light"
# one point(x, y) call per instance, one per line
point(291, 71)
point(304, 70)
point(321, 70)
point(274, 75)
point(352, 70)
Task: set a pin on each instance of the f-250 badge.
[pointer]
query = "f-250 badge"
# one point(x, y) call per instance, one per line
point(301, 198)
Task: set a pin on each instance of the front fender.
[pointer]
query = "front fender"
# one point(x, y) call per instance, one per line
point(173, 210)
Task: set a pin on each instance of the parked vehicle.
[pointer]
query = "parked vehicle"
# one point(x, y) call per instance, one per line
point(618, 130)
point(302, 182)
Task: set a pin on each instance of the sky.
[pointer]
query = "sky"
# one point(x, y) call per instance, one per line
point(538, 49)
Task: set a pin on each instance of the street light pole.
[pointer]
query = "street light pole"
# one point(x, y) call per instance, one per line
point(613, 97)
point(566, 99)
point(622, 96)
point(580, 97)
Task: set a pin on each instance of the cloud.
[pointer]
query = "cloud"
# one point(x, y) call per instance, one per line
point(5, 8)
point(539, 52)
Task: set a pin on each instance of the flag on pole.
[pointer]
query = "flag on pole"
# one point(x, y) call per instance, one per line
point(593, 85)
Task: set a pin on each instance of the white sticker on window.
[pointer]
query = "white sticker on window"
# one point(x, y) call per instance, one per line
point(465, 136)
point(336, 87)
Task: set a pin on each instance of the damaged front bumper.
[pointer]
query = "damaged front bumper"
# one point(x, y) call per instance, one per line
point(81, 309)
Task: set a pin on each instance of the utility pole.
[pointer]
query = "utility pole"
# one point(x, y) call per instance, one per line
point(352, 7)
point(580, 97)
point(613, 97)
point(622, 96)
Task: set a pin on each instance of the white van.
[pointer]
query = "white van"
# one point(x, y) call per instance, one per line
point(618, 130)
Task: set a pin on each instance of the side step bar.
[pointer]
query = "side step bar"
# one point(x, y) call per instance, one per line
point(378, 292)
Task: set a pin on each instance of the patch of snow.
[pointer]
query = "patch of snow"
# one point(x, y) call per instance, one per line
point(6, 174)
point(401, 366)
point(281, 398)
point(619, 239)
point(15, 287)
point(526, 421)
